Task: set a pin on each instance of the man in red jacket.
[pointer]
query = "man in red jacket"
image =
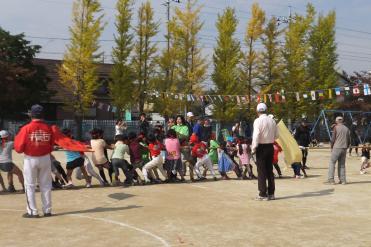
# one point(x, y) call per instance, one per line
point(36, 141)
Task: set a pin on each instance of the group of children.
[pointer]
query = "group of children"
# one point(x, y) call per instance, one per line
point(143, 158)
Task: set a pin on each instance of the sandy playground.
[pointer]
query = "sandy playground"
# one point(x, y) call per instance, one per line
point(223, 213)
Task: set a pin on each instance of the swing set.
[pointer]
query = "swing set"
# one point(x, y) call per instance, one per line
point(349, 117)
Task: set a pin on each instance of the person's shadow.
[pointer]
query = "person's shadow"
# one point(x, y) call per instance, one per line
point(117, 196)
point(309, 194)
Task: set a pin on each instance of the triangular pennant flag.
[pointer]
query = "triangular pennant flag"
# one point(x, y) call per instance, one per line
point(258, 99)
point(108, 108)
point(238, 100)
point(220, 98)
point(226, 98)
point(270, 97)
point(192, 97)
point(366, 89)
point(189, 97)
point(114, 109)
point(176, 96)
point(313, 95)
point(277, 97)
point(265, 98)
point(330, 93)
point(356, 91)
point(248, 100)
point(305, 96)
point(347, 91)
point(283, 97)
point(243, 99)
point(320, 94)
point(297, 96)
point(337, 91)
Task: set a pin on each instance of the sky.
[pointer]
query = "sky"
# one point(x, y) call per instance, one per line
point(45, 22)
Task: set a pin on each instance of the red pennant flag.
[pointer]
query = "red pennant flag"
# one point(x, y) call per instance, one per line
point(277, 97)
point(356, 91)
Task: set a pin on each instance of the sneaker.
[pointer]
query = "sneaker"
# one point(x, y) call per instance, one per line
point(48, 215)
point(343, 183)
point(330, 182)
point(29, 216)
point(271, 197)
point(261, 198)
point(88, 185)
point(11, 188)
point(299, 177)
point(362, 172)
point(68, 186)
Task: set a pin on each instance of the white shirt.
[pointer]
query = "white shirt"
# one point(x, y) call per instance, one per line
point(119, 129)
point(6, 152)
point(265, 131)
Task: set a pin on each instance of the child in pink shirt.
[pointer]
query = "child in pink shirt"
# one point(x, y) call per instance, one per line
point(173, 163)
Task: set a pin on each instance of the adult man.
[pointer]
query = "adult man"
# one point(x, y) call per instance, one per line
point(264, 135)
point(302, 136)
point(189, 122)
point(36, 141)
point(143, 124)
point(340, 141)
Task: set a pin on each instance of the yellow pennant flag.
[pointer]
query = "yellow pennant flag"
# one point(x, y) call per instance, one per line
point(289, 145)
point(330, 93)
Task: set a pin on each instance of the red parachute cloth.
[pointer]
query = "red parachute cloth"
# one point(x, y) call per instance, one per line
point(67, 143)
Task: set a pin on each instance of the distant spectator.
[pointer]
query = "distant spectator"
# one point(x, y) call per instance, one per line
point(189, 122)
point(143, 125)
point(120, 127)
point(206, 131)
point(197, 128)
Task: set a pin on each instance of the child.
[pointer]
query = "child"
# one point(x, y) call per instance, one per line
point(277, 149)
point(90, 170)
point(60, 179)
point(244, 155)
point(6, 163)
point(225, 164)
point(74, 160)
point(365, 158)
point(118, 159)
point(136, 161)
point(155, 148)
point(173, 160)
point(99, 159)
point(231, 151)
point(297, 167)
point(200, 151)
point(187, 158)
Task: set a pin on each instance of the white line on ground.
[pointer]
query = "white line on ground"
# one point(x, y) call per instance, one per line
point(199, 186)
point(125, 225)
point(163, 241)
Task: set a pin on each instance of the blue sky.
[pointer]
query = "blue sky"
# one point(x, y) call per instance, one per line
point(51, 18)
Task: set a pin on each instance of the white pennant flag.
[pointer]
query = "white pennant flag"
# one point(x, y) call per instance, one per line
point(313, 95)
point(305, 96)
point(297, 96)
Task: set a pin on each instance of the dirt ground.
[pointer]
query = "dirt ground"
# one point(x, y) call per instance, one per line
point(223, 213)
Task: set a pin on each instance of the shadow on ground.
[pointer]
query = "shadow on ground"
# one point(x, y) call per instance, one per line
point(120, 196)
point(309, 194)
point(99, 210)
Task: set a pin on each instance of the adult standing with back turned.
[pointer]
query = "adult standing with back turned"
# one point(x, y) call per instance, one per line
point(36, 141)
point(340, 142)
point(264, 134)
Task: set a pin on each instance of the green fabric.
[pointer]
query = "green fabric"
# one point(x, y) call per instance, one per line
point(145, 152)
point(182, 131)
point(213, 151)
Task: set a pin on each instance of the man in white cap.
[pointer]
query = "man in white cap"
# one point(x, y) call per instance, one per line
point(189, 122)
point(340, 142)
point(264, 134)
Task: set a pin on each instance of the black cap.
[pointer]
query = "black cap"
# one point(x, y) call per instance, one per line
point(36, 111)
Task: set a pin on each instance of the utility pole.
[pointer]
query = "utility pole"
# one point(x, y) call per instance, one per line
point(167, 4)
point(286, 19)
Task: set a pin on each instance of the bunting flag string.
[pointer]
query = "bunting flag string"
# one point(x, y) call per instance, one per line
point(280, 96)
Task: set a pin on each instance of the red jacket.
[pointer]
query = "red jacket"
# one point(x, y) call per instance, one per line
point(34, 139)
point(277, 149)
point(199, 150)
point(155, 148)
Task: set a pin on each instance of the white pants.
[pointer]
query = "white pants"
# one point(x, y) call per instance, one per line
point(38, 169)
point(89, 169)
point(204, 161)
point(155, 162)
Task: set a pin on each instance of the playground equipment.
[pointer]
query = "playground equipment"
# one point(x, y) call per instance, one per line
point(349, 117)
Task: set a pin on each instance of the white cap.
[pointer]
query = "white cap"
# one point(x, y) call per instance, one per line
point(339, 119)
point(4, 134)
point(190, 114)
point(261, 107)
